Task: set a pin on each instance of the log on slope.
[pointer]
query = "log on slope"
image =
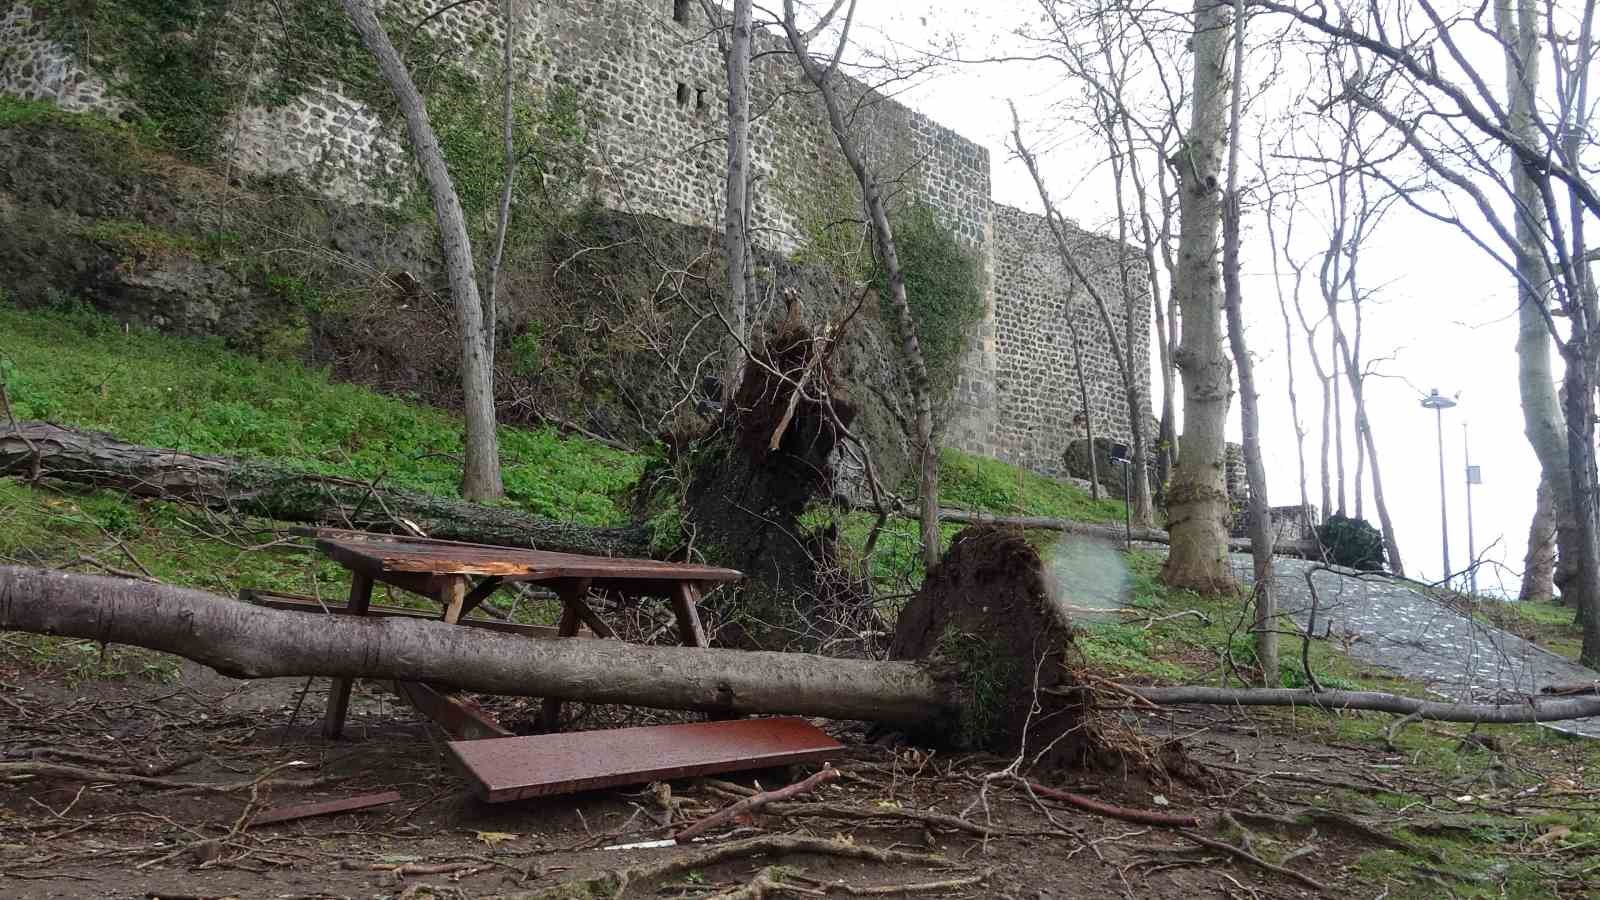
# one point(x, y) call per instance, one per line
point(257, 489)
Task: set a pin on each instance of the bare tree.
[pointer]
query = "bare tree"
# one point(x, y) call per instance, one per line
point(1107, 47)
point(1198, 513)
point(1280, 252)
point(1442, 113)
point(1260, 526)
point(822, 77)
point(736, 242)
point(480, 477)
point(1140, 509)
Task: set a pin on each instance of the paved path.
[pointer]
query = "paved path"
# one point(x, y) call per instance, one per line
point(1402, 629)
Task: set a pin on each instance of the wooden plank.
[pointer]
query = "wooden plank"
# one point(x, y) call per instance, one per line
point(459, 718)
point(685, 603)
point(339, 692)
point(503, 769)
point(295, 602)
point(322, 808)
point(454, 598)
point(480, 592)
point(572, 594)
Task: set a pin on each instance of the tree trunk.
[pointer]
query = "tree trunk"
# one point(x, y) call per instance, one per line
point(480, 477)
point(883, 238)
point(736, 237)
point(1538, 567)
point(1088, 413)
point(1542, 420)
point(245, 641)
point(1198, 511)
point(1265, 590)
point(271, 492)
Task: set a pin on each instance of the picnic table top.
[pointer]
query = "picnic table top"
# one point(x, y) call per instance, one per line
point(380, 553)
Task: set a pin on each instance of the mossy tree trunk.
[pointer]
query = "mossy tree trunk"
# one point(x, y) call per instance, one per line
point(1197, 505)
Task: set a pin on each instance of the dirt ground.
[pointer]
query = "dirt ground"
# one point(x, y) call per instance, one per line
point(977, 834)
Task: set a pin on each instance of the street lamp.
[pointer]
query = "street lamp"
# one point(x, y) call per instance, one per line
point(1474, 476)
point(1119, 457)
point(1439, 403)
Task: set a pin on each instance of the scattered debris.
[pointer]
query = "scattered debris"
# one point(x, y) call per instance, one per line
point(322, 808)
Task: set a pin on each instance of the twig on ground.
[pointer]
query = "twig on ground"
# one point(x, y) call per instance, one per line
point(755, 802)
point(612, 883)
point(1136, 816)
point(1247, 856)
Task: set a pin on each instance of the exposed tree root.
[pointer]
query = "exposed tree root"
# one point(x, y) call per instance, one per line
point(613, 882)
point(1249, 857)
point(1100, 808)
point(15, 770)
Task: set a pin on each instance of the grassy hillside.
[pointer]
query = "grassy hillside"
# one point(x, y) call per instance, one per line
point(75, 367)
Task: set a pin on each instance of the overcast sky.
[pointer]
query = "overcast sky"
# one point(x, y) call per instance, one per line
point(1445, 315)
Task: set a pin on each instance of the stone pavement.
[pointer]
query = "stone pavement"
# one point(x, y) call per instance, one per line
point(1397, 627)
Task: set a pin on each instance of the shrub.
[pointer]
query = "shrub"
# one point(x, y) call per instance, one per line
point(1351, 542)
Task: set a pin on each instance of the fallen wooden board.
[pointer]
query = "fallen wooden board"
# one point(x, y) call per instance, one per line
point(503, 769)
point(323, 808)
point(459, 718)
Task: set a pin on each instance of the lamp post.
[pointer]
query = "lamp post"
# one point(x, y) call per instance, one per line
point(1439, 403)
point(1119, 457)
point(1474, 476)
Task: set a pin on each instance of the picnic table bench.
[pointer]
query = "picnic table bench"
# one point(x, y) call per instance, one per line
point(499, 765)
point(460, 576)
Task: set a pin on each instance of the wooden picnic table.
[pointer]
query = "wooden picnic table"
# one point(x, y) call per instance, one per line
point(460, 576)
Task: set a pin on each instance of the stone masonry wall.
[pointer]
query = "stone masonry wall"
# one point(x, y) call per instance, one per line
point(34, 67)
point(1039, 400)
point(653, 88)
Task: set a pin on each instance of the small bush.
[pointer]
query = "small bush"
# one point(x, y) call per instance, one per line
point(1351, 542)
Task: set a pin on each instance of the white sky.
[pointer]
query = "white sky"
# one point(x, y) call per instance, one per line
point(1445, 317)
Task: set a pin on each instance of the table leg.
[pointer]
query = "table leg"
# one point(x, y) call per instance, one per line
point(480, 592)
point(686, 602)
point(339, 693)
point(572, 594)
point(453, 594)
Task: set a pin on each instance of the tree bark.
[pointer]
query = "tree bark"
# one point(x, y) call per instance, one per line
point(245, 641)
point(741, 277)
point(1538, 567)
point(1083, 397)
point(883, 239)
point(1375, 701)
point(1197, 503)
point(1543, 422)
point(256, 489)
point(480, 476)
point(1260, 527)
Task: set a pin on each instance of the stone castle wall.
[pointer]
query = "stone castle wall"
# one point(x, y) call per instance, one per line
point(649, 76)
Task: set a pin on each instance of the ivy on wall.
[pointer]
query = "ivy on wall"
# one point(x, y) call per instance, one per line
point(943, 286)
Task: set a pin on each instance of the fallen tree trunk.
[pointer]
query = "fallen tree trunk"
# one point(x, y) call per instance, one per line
point(272, 492)
point(246, 641)
point(1527, 711)
point(1301, 549)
